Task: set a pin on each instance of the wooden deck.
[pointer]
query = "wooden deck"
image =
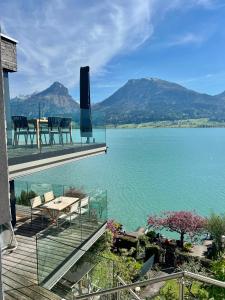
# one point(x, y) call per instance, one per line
point(54, 249)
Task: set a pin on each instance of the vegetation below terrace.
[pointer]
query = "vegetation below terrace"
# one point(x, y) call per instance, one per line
point(129, 252)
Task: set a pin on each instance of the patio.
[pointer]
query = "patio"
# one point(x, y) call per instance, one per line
point(44, 254)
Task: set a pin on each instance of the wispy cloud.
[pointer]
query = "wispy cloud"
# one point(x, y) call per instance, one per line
point(56, 37)
point(187, 38)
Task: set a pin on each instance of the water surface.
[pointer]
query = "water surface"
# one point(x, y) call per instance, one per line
point(149, 170)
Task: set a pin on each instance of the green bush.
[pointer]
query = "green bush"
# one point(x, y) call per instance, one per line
point(187, 247)
point(151, 235)
point(152, 250)
point(24, 198)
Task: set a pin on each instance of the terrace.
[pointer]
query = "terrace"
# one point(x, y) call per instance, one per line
point(45, 252)
point(35, 144)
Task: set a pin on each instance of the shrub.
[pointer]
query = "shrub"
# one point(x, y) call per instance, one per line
point(187, 247)
point(216, 227)
point(151, 235)
point(76, 193)
point(152, 250)
point(24, 198)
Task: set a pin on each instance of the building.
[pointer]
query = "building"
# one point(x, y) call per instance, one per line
point(41, 257)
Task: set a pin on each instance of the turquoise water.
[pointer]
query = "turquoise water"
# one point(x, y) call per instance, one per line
point(149, 170)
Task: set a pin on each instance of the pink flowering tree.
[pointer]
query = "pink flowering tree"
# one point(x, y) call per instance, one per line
point(114, 227)
point(182, 222)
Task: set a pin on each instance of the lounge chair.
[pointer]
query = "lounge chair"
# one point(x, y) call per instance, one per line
point(35, 208)
point(84, 204)
point(49, 196)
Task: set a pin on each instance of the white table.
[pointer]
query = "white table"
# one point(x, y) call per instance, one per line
point(58, 206)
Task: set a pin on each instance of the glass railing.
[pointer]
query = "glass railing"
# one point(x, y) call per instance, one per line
point(91, 273)
point(175, 286)
point(61, 241)
point(40, 132)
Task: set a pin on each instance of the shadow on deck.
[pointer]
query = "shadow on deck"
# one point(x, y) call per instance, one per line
point(44, 256)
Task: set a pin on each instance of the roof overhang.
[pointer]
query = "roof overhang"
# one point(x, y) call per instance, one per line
point(25, 165)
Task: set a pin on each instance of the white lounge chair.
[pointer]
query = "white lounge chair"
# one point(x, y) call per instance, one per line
point(84, 204)
point(49, 196)
point(35, 208)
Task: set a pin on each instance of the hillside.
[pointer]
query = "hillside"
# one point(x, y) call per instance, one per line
point(150, 99)
point(55, 100)
point(138, 101)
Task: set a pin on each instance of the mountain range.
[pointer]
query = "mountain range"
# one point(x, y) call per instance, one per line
point(138, 101)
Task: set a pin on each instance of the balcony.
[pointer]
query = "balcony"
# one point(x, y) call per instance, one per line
point(45, 251)
point(41, 142)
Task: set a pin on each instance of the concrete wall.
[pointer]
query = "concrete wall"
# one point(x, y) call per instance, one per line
point(8, 48)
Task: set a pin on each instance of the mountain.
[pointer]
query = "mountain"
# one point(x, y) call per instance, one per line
point(151, 99)
point(138, 101)
point(55, 100)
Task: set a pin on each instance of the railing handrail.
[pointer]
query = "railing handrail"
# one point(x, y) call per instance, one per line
point(130, 290)
point(177, 275)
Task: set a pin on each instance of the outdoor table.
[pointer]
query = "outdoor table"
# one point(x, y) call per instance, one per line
point(37, 124)
point(58, 206)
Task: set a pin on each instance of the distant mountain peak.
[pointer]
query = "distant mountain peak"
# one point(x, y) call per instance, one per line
point(55, 100)
point(56, 88)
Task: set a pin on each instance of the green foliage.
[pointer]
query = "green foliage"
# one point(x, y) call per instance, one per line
point(24, 198)
point(152, 249)
point(216, 227)
point(170, 291)
point(76, 193)
point(143, 240)
point(125, 266)
point(151, 234)
point(218, 269)
point(187, 247)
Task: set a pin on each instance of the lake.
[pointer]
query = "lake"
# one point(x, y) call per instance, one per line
point(149, 170)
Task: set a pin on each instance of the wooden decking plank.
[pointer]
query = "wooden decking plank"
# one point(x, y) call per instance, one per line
point(15, 294)
point(20, 266)
point(27, 275)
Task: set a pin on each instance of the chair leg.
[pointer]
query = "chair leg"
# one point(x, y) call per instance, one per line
point(26, 137)
point(14, 139)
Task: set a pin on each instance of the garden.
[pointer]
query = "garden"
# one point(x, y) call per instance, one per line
point(126, 255)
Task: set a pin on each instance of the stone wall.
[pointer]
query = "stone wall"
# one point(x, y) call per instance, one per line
point(9, 61)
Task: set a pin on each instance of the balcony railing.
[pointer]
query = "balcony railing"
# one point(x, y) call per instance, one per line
point(179, 292)
point(41, 136)
point(61, 243)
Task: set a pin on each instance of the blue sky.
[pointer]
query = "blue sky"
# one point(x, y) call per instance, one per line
point(176, 40)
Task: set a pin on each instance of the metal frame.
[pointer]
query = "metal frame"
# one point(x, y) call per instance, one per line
point(179, 275)
point(24, 165)
point(64, 267)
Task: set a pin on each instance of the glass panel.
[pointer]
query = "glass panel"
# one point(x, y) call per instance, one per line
point(40, 132)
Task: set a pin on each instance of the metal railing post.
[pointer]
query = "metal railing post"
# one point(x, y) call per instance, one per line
point(181, 288)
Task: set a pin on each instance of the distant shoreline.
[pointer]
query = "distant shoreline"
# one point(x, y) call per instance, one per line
point(189, 123)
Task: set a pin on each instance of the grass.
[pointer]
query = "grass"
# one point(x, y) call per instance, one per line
point(170, 291)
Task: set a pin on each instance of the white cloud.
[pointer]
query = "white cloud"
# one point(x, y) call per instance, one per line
point(56, 37)
point(187, 38)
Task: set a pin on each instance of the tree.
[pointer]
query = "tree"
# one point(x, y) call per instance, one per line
point(216, 226)
point(218, 270)
point(182, 222)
